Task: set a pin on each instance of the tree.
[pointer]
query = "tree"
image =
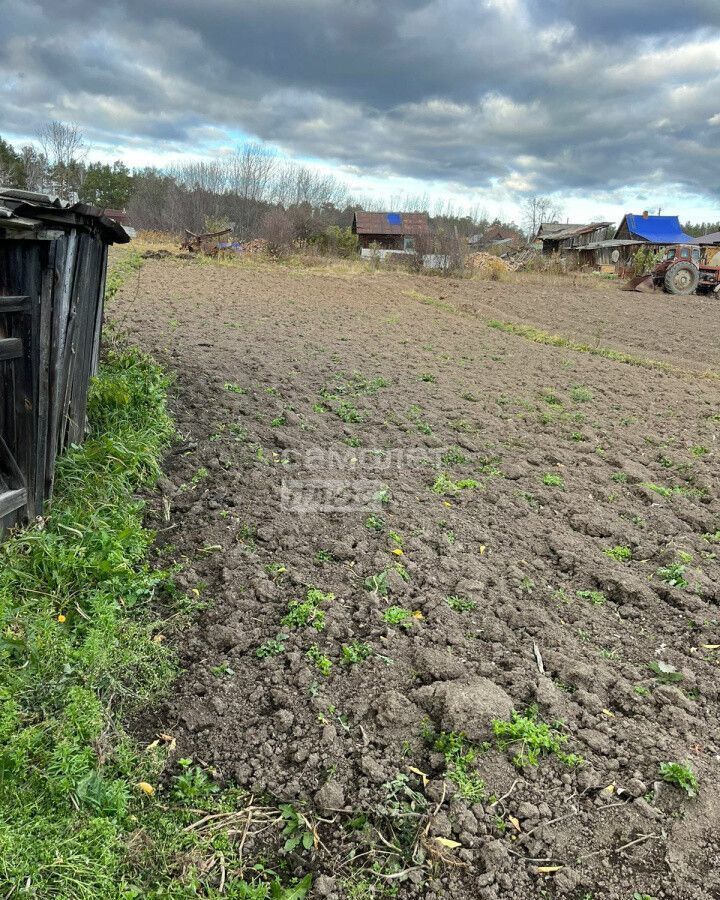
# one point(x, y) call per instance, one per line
point(64, 147)
point(12, 173)
point(107, 186)
point(537, 210)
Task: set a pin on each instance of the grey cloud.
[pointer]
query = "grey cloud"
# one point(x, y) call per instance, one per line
point(563, 96)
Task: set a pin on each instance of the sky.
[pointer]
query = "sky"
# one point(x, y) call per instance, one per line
point(609, 107)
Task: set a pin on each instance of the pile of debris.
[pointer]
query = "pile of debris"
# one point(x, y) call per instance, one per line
point(487, 265)
point(525, 258)
point(257, 245)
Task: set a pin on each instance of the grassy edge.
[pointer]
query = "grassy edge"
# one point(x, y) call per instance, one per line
point(538, 336)
point(81, 811)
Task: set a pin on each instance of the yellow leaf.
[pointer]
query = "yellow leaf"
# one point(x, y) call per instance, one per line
point(422, 774)
point(711, 646)
point(146, 788)
point(606, 712)
point(158, 639)
point(152, 746)
point(548, 870)
point(446, 842)
point(482, 549)
point(610, 789)
point(397, 551)
point(447, 503)
point(195, 591)
point(416, 614)
point(61, 618)
point(514, 822)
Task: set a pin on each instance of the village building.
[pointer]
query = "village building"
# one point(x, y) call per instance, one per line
point(660, 231)
point(496, 235)
point(391, 230)
point(556, 237)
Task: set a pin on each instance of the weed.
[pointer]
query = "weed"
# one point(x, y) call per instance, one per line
point(221, 670)
point(193, 784)
point(377, 584)
point(275, 570)
point(234, 388)
point(460, 758)
point(551, 480)
point(322, 662)
point(324, 556)
point(396, 538)
point(578, 436)
point(534, 739)
point(382, 496)
point(445, 485)
point(665, 673)
point(271, 647)
point(307, 612)
point(297, 831)
point(619, 477)
point(619, 553)
point(680, 775)
point(453, 457)
point(398, 617)
point(699, 451)
point(347, 412)
point(374, 523)
point(356, 652)
point(581, 394)
point(641, 690)
point(674, 575)
point(460, 604)
point(426, 376)
point(595, 597)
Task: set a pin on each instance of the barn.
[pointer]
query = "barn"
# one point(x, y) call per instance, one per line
point(391, 230)
point(52, 280)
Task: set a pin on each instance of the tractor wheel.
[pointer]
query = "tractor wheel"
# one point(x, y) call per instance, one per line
point(681, 278)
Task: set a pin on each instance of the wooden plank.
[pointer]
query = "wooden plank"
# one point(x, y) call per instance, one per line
point(10, 348)
point(43, 395)
point(100, 312)
point(61, 312)
point(14, 304)
point(11, 501)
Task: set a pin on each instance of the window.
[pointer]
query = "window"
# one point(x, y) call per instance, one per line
point(684, 253)
point(408, 243)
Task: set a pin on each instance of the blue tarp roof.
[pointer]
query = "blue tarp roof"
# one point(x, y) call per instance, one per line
point(394, 219)
point(658, 229)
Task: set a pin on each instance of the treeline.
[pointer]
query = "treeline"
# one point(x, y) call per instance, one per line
point(698, 230)
point(252, 190)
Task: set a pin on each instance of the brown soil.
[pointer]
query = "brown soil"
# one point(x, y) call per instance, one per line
point(519, 548)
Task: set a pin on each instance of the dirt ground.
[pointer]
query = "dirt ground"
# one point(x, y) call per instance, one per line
point(369, 437)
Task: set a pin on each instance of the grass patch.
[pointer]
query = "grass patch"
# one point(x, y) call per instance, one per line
point(533, 739)
point(539, 336)
point(429, 301)
point(78, 649)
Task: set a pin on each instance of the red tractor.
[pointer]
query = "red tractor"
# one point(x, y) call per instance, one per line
point(684, 269)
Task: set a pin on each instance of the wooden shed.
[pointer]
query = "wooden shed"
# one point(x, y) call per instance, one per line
point(53, 257)
point(390, 231)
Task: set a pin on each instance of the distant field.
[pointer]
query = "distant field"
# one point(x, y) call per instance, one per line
point(529, 521)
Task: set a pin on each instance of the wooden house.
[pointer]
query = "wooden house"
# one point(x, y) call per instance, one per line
point(557, 237)
point(52, 280)
point(391, 231)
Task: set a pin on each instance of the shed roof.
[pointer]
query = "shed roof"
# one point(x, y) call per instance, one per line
point(712, 238)
point(27, 210)
point(558, 232)
point(391, 223)
point(656, 229)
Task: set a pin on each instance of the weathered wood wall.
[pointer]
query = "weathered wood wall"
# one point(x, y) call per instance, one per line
point(50, 319)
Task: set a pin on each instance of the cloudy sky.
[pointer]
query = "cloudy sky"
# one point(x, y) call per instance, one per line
point(608, 106)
